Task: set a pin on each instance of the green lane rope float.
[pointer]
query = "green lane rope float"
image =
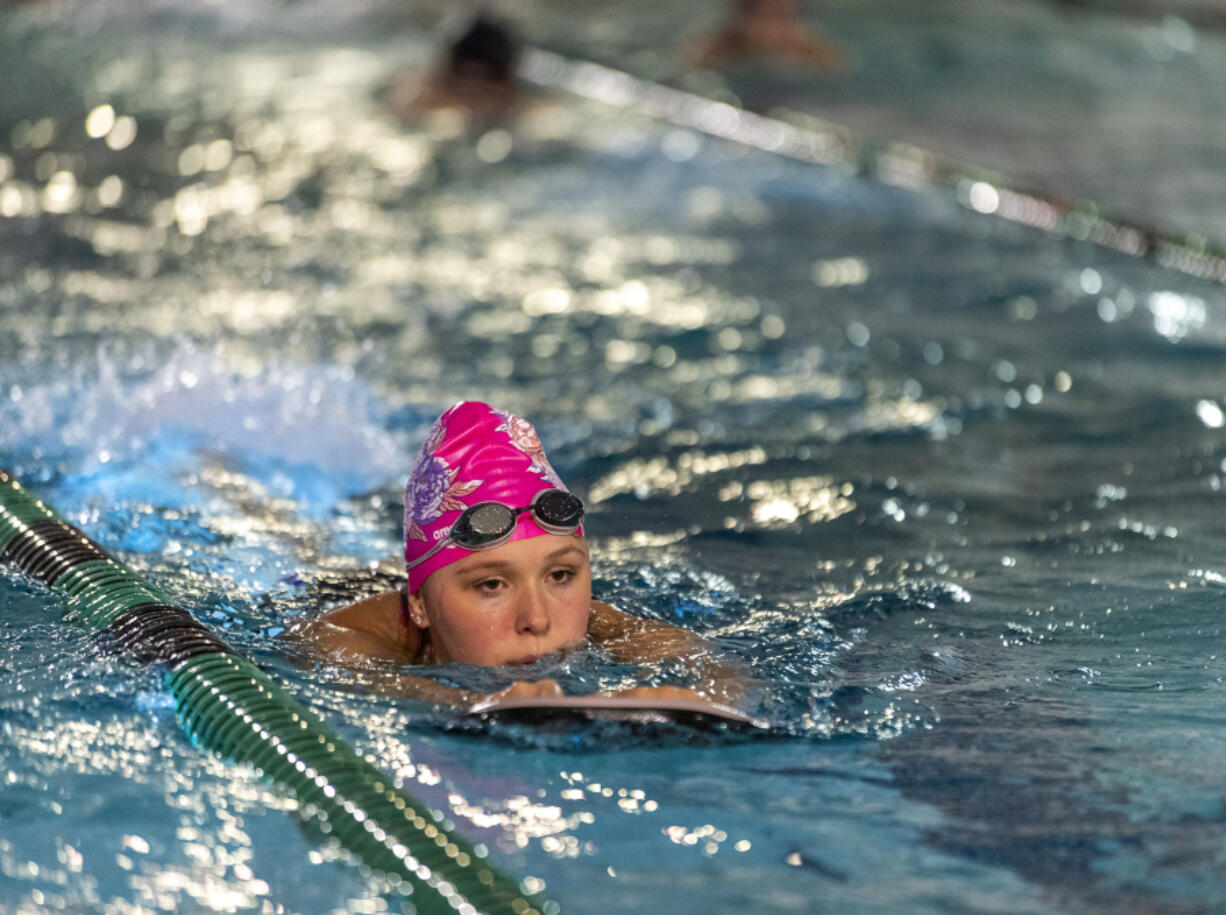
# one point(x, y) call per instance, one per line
point(229, 706)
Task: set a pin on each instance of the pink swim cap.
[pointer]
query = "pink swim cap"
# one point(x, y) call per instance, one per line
point(473, 453)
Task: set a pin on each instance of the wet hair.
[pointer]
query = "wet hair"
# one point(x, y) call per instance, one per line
point(487, 45)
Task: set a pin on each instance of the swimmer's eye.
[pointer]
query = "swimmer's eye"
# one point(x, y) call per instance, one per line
point(562, 576)
point(488, 585)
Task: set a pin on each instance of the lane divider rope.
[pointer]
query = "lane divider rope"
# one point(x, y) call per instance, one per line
point(807, 138)
point(227, 705)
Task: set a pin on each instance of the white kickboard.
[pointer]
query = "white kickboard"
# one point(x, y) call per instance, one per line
point(617, 708)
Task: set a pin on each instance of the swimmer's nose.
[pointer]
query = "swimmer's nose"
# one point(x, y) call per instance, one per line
point(533, 617)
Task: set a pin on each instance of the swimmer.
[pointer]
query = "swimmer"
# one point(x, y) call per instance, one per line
point(499, 575)
point(476, 78)
point(771, 29)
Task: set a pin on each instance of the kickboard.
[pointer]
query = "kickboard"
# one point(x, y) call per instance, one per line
point(543, 709)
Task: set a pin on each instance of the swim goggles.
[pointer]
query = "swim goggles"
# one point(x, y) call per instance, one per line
point(489, 524)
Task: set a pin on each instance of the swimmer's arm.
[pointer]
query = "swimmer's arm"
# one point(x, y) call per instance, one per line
point(406, 686)
point(423, 689)
point(634, 640)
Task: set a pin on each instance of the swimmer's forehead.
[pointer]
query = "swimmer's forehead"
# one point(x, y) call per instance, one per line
point(479, 562)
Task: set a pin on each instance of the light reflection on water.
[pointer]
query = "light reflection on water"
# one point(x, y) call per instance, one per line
point(944, 483)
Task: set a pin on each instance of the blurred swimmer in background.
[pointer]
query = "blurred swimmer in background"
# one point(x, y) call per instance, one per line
point(475, 77)
point(770, 30)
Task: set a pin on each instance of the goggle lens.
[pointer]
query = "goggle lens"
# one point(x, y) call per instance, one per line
point(490, 523)
point(557, 508)
point(483, 524)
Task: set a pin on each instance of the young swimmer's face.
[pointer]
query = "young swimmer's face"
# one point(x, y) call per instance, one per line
point(509, 605)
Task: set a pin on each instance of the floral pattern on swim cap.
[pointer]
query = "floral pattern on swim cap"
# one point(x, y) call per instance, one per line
point(432, 489)
point(473, 453)
point(523, 436)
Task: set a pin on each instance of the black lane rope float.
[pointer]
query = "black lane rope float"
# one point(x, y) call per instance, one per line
point(811, 139)
point(229, 706)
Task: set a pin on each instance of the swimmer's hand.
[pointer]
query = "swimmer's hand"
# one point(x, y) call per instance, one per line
point(525, 690)
point(717, 695)
point(664, 693)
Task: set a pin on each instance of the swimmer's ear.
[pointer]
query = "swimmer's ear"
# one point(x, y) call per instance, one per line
point(417, 611)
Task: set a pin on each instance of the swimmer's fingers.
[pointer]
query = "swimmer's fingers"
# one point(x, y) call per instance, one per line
point(662, 692)
point(733, 692)
point(528, 690)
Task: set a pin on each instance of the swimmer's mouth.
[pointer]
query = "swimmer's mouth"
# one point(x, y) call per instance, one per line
point(556, 655)
point(525, 662)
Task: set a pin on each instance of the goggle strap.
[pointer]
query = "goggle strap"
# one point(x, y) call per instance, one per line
point(429, 554)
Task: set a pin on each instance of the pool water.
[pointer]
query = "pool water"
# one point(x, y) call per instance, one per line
point(948, 485)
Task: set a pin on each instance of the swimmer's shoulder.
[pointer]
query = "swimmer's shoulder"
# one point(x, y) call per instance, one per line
point(606, 623)
point(631, 638)
point(374, 627)
point(378, 614)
